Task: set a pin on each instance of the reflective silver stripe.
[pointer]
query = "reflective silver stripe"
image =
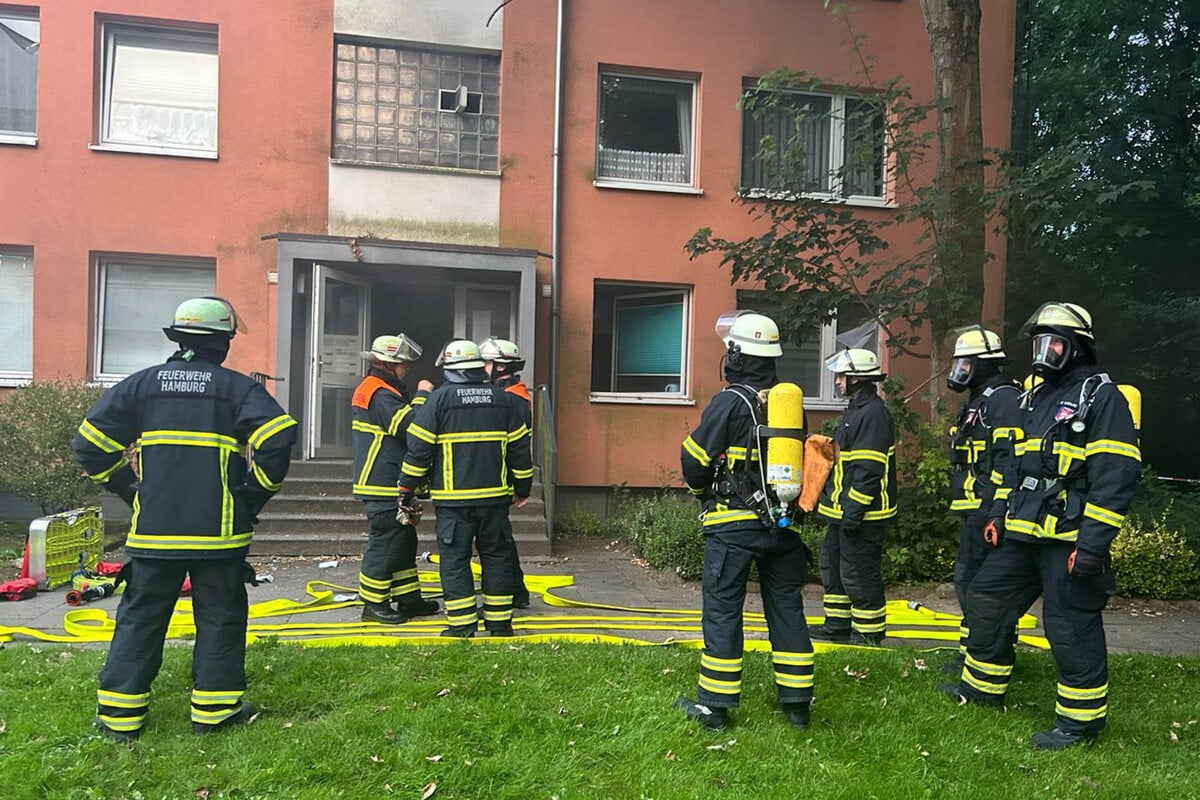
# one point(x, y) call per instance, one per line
point(269, 429)
point(100, 439)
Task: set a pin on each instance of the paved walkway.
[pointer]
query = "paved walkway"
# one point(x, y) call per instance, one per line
point(609, 574)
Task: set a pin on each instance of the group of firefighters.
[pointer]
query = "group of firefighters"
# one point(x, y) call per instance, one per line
point(1042, 478)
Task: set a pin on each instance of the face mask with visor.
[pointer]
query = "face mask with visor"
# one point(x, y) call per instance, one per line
point(1051, 351)
point(961, 371)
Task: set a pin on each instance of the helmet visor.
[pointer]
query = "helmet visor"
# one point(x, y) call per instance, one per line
point(407, 348)
point(960, 371)
point(236, 325)
point(725, 323)
point(1050, 350)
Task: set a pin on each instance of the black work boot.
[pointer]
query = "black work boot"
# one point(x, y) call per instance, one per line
point(954, 691)
point(243, 715)
point(459, 631)
point(865, 639)
point(383, 613)
point(1058, 739)
point(797, 714)
point(500, 630)
point(954, 667)
point(715, 719)
point(120, 737)
point(521, 597)
point(414, 605)
point(824, 633)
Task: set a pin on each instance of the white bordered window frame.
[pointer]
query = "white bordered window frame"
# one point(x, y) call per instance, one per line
point(14, 263)
point(21, 37)
point(688, 141)
point(619, 295)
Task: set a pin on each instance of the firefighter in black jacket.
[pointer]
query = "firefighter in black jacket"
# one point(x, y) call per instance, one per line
point(981, 451)
point(720, 465)
point(195, 499)
point(382, 414)
point(1077, 464)
point(474, 437)
point(858, 500)
point(503, 363)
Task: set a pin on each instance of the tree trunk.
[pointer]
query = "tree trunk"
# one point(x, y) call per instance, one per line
point(956, 273)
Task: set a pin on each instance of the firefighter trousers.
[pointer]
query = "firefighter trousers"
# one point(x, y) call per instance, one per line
point(520, 593)
point(220, 609)
point(1012, 577)
point(852, 574)
point(389, 565)
point(971, 552)
point(487, 529)
point(782, 562)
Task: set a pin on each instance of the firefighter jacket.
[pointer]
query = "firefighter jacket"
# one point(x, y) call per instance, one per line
point(981, 446)
point(471, 442)
point(862, 485)
point(1077, 464)
point(381, 416)
point(721, 458)
point(191, 423)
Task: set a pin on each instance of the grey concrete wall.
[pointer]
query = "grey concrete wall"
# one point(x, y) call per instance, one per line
point(457, 23)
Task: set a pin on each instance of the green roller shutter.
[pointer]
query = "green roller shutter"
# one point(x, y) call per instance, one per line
point(649, 339)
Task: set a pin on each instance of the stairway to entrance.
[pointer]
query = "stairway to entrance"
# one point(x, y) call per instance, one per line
point(314, 514)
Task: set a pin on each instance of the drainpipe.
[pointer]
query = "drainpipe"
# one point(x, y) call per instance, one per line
point(556, 191)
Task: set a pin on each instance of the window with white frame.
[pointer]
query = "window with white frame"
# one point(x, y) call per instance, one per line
point(159, 92)
point(640, 335)
point(646, 131)
point(16, 314)
point(827, 145)
point(137, 299)
point(803, 359)
point(20, 39)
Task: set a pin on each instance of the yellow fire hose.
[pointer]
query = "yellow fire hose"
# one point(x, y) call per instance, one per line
point(904, 620)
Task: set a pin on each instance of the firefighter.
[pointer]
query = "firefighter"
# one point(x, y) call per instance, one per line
point(474, 437)
point(503, 363)
point(382, 413)
point(1077, 463)
point(981, 451)
point(212, 446)
point(858, 500)
point(720, 465)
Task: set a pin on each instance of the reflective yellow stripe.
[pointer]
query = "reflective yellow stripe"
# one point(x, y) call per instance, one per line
point(419, 400)
point(999, 670)
point(865, 455)
point(460, 603)
point(422, 434)
point(996, 478)
point(965, 505)
point(470, 494)
point(859, 497)
point(397, 418)
point(1101, 514)
point(413, 470)
point(366, 427)
point(720, 664)
point(497, 599)
point(1081, 714)
point(883, 513)
point(1062, 448)
point(122, 723)
point(720, 687)
point(696, 451)
point(1072, 693)
point(121, 700)
point(375, 491)
point(519, 433)
point(983, 686)
point(1114, 447)
point(147, 541)
point(793, 659)
point(722, 517)
point(837, 598)
point(102, 477)
point(523, 473)
point(497, 616)
point(264, 481)
point(269, 429)
point(200, 697)
point(97, 437)
point(1002, 493)
point(473, 436)
point(187, 439)
point(374, 583)
point(1005, 433)
point(226, 495)
point(793, 681)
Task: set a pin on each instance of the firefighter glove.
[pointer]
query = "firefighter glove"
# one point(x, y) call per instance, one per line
point(993, 532)
point(1085, 562)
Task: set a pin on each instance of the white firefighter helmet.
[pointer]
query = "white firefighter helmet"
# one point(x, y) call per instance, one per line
point(1064, 318)
point(393, 350)
point(750, 333)
point(976, 341)
point(502, 351)
point(205, 315)
point(855, 362)
point(460, 354)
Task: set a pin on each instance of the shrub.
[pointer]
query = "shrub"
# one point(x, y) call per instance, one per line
point(664, 529)
point(1154, 561)
point(36, 463)
point(576, 521)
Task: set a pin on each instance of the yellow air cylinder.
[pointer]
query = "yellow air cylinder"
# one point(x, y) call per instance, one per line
point(785, 456)
point(1134, 398)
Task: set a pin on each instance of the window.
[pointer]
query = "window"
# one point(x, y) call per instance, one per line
point(640, 340)
point(137, 299)
point(403, 105)
point(19, 43)
point(816, 144)
point(803, 359)
point(160, 91)
point(16, 315)
point(646, 132)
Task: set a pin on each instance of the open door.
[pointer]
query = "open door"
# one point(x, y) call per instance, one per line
point(339, 315)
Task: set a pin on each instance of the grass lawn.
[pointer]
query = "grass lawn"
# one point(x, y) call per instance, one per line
point(586, 721)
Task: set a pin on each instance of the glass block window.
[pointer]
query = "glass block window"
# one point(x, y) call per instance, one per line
point(412, 106)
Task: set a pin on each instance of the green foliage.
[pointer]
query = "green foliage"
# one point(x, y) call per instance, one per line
point(38, 421)
point(665, 530)
point(576, 521)
point(1162, 502)
point(1155, 561)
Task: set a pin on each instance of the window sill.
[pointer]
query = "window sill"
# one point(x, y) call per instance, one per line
point(15, 379)
point(640, 399)
point(149, 150)
point(478, 173)
point(647, 186)
point(826, 405)
point(860, 201)
point(18, 139)
point(107, 381)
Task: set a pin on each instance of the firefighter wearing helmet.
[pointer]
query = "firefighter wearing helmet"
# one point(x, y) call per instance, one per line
point(503, 362)
point(1077, 463)
point(382, 409)
point(470, 441)
point(858, 501)
point(197, 497)
point(720, 460)
point(981, 451)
